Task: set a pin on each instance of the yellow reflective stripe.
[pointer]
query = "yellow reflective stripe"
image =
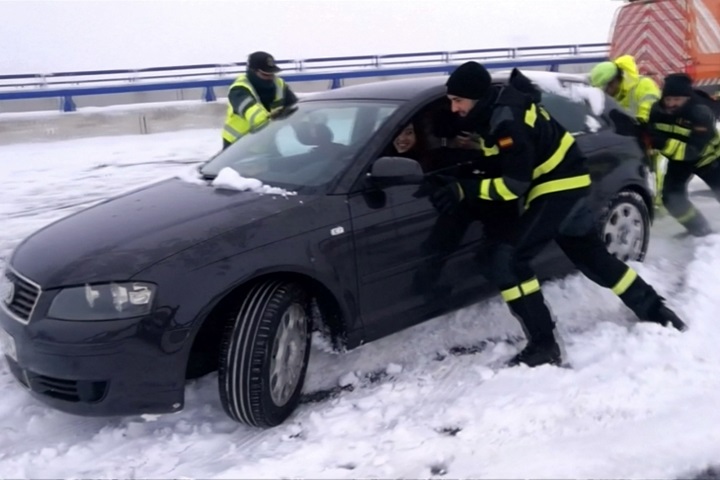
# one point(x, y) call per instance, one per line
point(503, 190)
point(531, 115)
point(553, 186)
point(485, 189)
point(707, 160)
point(511, 294)
point(279, 89)
point(674, 149)
point(526, 288)
point(687, 216)
point(664, 127)
point(531, 286)
point(624, 283)
point(233, 133)
point(544, 113)
point(710, 153)
point(258, 117)
point(488, 151)
point(548, 165)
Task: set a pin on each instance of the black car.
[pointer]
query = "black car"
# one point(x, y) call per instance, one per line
point(110, 310)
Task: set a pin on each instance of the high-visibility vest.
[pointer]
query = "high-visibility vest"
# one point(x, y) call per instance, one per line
point(252, 115)
point(636, 100)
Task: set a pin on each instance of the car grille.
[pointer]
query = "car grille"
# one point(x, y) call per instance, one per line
point(68, 390)
point(21, 297)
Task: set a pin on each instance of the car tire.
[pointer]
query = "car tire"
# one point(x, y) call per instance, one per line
point(625, 226)
point(264, 355)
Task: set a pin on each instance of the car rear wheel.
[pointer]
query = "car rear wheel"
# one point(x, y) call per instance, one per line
point(265, 352)
point(625, 226)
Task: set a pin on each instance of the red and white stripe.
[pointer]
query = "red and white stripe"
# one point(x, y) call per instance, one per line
point(707, 28)
point(708, 81)
point(654, 33)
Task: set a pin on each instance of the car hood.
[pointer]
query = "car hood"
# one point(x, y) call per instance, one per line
point(119, 237)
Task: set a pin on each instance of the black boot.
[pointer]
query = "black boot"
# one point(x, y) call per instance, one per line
point(642, 299)
point(538, 354)
point(534, 316)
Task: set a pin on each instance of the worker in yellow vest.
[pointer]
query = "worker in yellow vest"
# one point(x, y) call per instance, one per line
point(636, 93)
point(255, 97)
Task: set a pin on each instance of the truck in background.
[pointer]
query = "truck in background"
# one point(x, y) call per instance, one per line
point(670, 36)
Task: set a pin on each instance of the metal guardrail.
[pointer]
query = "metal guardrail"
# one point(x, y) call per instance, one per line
point(66, 85)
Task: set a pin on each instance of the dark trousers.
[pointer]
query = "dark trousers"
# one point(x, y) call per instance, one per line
point(675, 191)
point(226, 144)
point(565, 217)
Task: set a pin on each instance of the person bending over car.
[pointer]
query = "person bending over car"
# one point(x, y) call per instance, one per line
point(255, 97)
point(542, 166)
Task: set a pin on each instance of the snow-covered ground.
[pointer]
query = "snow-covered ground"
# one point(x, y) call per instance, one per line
point(640, 401)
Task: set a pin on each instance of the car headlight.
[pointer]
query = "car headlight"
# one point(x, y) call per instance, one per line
point(103, 302)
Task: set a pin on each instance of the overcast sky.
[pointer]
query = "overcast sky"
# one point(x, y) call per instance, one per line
point(56, 35)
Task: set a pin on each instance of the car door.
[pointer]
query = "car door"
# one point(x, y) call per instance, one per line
point(412, 263)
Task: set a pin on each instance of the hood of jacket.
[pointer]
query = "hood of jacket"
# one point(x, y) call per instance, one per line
point(631, 76)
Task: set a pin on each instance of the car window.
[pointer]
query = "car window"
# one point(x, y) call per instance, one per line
point(569, 113)
point(308, 148)
point(338, 120)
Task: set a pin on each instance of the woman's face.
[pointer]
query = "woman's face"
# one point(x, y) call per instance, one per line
point(406, 140)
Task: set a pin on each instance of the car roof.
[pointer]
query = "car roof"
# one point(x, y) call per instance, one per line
point(409, 88)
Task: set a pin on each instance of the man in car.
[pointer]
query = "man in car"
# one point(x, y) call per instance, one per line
point(541, 166)
point(683, 129)
point(255, 97)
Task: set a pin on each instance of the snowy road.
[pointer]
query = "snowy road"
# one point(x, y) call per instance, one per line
point(641, 401)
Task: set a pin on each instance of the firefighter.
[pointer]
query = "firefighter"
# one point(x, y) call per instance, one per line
point(542, 167)
point(255, 97)
point(683, 129)
point(636, 93)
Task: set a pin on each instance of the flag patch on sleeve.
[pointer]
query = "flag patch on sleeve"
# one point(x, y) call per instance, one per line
point(505, 142)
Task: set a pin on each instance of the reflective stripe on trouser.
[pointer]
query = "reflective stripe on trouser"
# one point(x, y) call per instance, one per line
point(571, 223)
point(534, 317)
point(589, 254)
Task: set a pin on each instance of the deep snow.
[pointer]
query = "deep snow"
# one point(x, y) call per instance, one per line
point(639, 403)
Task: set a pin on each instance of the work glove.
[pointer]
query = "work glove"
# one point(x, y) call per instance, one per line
point(446, 193)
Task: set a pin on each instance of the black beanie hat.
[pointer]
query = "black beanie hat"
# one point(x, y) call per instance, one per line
point(677, 85)
point(470, 80)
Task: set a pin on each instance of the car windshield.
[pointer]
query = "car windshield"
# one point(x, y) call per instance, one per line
point(307, 148)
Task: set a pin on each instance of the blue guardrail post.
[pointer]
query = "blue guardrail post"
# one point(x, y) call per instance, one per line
point(67, 104)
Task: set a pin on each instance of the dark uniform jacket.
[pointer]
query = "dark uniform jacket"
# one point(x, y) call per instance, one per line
point(537, 156)
point(687, 135)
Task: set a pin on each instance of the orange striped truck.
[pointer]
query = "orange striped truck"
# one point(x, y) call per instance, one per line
point(668, 36)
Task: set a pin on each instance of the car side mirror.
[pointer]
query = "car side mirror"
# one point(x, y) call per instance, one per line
point(624, 124)
point(387, 171)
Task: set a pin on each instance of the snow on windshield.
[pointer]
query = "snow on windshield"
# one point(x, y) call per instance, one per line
point(228, 178)
point(574, 90)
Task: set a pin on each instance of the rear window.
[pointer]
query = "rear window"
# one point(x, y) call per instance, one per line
point(570, 114)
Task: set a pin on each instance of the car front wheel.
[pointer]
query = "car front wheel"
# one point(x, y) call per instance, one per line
point(265, 352)
point(625, 226)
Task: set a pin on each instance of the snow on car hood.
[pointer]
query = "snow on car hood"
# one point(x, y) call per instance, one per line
point(576, 90)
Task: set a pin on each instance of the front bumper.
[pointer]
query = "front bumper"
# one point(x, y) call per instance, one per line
point(95, 368)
